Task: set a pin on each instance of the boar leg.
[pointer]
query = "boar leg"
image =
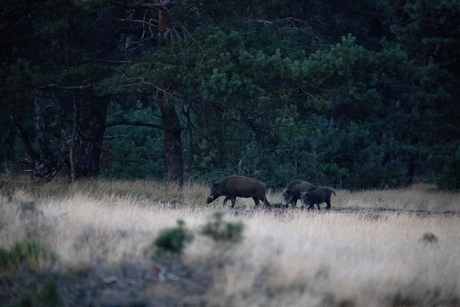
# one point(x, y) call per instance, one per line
point(256, 201)
point(233, 198)
point(225, 200)
point(266, 203)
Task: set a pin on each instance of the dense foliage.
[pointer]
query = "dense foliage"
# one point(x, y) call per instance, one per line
point(362, 95)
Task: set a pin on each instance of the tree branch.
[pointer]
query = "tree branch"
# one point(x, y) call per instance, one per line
point(77, 87)
point(149, 5)
point(135, 123)
point(139, 21)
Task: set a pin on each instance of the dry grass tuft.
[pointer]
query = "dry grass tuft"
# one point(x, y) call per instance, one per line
point(417, 198)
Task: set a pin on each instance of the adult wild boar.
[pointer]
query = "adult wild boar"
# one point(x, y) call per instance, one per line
point(238, 186)
point(316, 195)
point(292, 192)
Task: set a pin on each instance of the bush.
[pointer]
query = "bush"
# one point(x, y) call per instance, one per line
point(32, 252)
point(4, 260)
point(44, 294)
point(173, 240)
point(222, 231)
point(429, 238)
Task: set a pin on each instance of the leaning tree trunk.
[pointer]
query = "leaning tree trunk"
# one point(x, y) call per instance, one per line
point(172, 141)
point(48, 154)
point(45, 161)
point(90, 117)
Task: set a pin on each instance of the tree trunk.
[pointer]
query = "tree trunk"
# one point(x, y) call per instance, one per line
point(34, 156)
point(91, 112)
point(73, 174)
point(48, 154)
point(410, 171)
point(163, 25)
point(45, 161)
point(172, 141)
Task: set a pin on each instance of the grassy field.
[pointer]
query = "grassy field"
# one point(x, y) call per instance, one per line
point(374, 248)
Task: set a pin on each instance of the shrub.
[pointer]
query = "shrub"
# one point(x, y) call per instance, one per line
point(173, 240)
point(429, 238)
point(4, 260)
point(44, 294)
point(32, 252)
point(222, 231)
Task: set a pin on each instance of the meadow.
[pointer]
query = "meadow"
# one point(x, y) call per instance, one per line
point(373, 248)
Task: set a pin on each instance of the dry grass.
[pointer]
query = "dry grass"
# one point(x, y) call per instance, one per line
point(360, 257)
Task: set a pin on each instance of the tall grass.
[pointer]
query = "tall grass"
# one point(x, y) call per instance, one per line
point(344, 258)
point(374, 256)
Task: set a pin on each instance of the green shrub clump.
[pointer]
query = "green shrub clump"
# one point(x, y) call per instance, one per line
point(32, 252)
point(173, 240)
point(222, 231)
point(429, 238)
point(43, 294)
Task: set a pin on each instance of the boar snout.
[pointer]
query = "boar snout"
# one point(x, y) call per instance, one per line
point(209, 200)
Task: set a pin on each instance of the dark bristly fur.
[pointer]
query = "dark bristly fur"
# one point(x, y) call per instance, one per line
point(239, 186)
point(316, 195)
point(292, 192)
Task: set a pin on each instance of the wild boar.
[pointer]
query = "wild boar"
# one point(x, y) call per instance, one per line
point(316, 195)
point(292, 192)
point(239, 186)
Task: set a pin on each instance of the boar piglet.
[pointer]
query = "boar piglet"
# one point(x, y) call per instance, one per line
point(316, 195)
point(292, 191)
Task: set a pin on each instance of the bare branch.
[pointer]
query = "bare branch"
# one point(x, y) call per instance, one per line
point(107, 61)
point(149, 23)
point(134, 123)
point(149, 5)
point(76, 87)
point(164, 91)
point(162, 4)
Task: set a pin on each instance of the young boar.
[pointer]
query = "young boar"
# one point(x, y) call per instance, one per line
point(316, 195)
point(239, 186)
point(292, 192)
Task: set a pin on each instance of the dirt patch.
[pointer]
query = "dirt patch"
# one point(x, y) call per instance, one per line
point(420, 213)
point(279, 210)
point(163, 282)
